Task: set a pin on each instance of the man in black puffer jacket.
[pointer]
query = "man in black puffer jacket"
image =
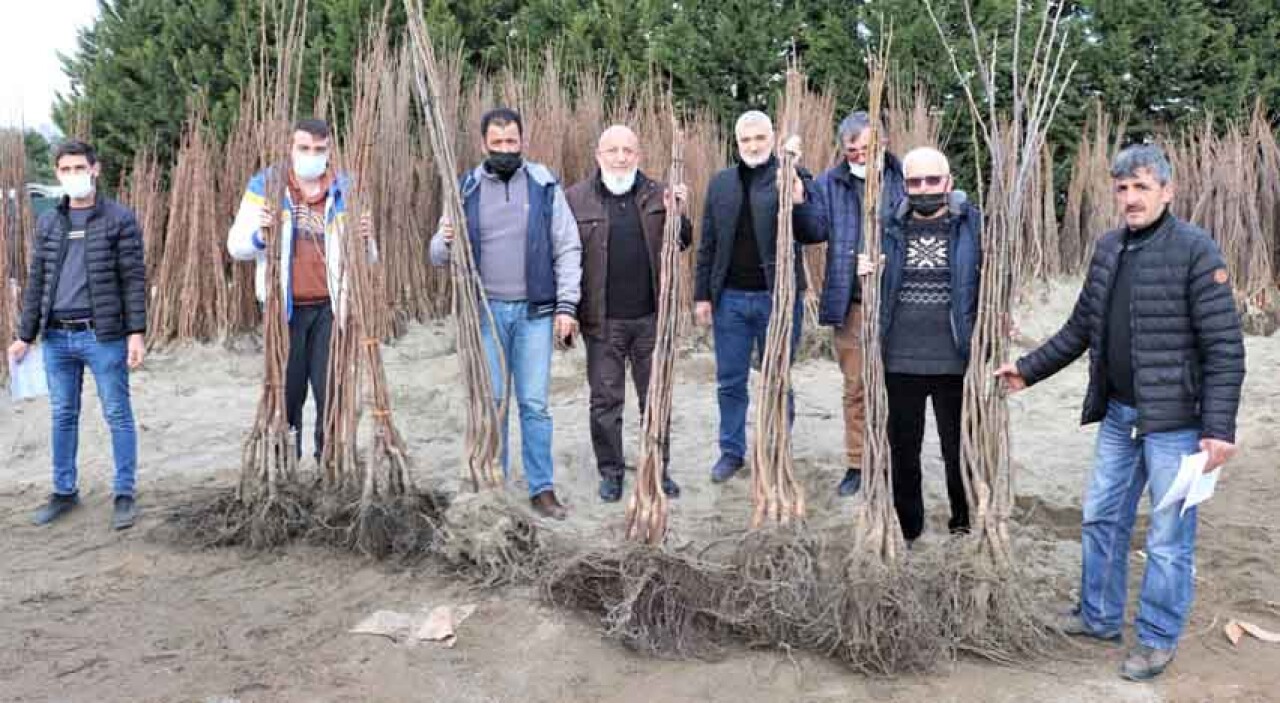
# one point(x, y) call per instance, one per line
point(87, 292)
point(1166, 362)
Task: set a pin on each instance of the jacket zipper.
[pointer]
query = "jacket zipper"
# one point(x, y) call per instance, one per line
point(62, 258)
point(1133, 368)
point(952, 247)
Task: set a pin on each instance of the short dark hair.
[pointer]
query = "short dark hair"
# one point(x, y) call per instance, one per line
point(315, 127)
point(75, 147)
point(501, 117)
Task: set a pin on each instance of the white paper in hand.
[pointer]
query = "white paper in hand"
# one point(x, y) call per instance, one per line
point(1201, 488)
point(1192, 485)
point(26, 377)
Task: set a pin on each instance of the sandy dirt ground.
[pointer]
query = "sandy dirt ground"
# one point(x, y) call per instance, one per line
point(87, 614)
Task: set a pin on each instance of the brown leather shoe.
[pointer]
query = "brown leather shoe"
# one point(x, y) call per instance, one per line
point(546, 505)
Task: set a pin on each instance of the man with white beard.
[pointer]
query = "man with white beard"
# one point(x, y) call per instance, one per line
point(735, 274)
point(621, 214)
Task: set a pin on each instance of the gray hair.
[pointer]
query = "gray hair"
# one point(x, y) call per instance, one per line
point(1140, 156)
point(853, 125)
point(752, 117)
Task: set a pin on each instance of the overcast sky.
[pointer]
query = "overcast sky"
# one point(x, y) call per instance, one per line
point(32, 33)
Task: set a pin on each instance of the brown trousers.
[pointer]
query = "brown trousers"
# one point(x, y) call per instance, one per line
point(848, 343)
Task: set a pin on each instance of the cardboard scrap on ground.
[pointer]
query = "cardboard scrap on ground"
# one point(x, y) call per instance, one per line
point(1236, 629)
point(385, 623)
point(440, 624)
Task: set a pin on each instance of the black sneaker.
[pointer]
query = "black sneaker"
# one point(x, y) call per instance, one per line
point(124, 514)
point(611, 489)
point(670, 488)
point(850, 484)
point(725, 468)
point(57, 506)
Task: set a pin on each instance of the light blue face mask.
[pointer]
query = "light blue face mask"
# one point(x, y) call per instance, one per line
point(309, 166)
point(858, 170)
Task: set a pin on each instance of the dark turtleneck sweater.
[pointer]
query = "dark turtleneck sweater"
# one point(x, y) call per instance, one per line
point(1119, 315)
point(746, 270)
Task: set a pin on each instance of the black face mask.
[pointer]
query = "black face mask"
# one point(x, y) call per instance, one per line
point(503, 164)
point(927, 204)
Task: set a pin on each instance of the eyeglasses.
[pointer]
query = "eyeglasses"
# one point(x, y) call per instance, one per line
point(930, 181)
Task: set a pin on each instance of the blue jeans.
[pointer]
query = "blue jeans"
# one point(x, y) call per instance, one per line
point(740, 323)
point(66, 353)
point(526, 344)
point(1125, 465)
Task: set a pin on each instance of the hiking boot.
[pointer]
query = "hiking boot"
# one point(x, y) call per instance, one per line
point(670, 488)
point(124, 513)
point(725, 468)
point(611, 489)
point(57, 506)
point(1072, 623)
point(1145, 663)
point(546, 505)
point(850, 484)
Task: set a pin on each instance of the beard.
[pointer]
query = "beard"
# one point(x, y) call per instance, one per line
point(618, 183)
point(754, 161)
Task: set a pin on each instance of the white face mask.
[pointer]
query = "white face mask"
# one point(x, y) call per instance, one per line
point(77, 185)
point(309, 166)
point(618, 184)
point(858, 170)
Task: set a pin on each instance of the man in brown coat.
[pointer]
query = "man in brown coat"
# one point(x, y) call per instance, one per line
point(621, 214)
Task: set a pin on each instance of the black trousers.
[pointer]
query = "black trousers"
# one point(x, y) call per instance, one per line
point(907, 396)
point(620, 342)
point(309, 332)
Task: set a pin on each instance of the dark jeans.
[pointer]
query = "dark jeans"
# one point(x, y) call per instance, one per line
point(620, 342)
point(907, 395)
point(740, 323)
point(309, 332)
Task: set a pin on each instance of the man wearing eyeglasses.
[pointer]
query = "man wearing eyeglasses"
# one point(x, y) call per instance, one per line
point(932, 258)
point(621, 215)
point(834, 213)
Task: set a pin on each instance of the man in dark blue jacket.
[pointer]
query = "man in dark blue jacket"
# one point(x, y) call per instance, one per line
point(933, 263)
point(526, 246)
point(834, 213)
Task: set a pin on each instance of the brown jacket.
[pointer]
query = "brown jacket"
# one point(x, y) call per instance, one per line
point(586, 200)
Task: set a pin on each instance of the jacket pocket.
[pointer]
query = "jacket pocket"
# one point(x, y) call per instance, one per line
point(1191, 379)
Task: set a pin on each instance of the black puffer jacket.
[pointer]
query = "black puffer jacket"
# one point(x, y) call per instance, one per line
point(114, 263)
point(1187, 347)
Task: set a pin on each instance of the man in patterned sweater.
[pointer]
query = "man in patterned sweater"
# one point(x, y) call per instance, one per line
point(932, 258)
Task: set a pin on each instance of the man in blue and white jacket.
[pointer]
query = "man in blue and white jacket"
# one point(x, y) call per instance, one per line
point(311, 228)
point(525, 241)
